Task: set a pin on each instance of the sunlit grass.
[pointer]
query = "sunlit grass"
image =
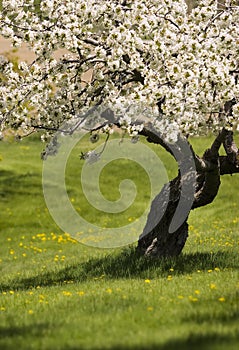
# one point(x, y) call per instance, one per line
point(56, 293)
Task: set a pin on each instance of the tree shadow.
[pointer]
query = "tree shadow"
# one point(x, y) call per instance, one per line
point(193, 342)
point(13, 184)
point(34, 330)
point(126, 264)
point(219, 317)
point(9, 334)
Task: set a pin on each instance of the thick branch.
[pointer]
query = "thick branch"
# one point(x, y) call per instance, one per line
point(218, 142)
point(208, 180)
point(231, 149)
point(208, 183)
point(156, 138)
point(227, 167)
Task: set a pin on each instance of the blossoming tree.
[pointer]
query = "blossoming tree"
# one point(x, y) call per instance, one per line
point(179, 66)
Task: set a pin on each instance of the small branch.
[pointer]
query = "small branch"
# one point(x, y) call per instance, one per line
point(105, 143)
point(172, 22)
point(212, 20)
point(47, 128)
point(28, 29)
point(91, 42)
point(92, 59)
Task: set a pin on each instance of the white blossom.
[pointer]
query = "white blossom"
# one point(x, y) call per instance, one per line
point(139, 53)
point(125, 121)
point(108, 129)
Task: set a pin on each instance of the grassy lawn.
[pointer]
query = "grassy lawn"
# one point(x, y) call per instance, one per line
point(56, 293)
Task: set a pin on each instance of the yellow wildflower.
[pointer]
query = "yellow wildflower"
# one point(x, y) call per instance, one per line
point(80, 293)
point(191, 298)
point(212, 286)
point(66, 293)
point(222, 299)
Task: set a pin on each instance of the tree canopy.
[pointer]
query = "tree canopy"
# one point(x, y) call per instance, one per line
point(182, 66)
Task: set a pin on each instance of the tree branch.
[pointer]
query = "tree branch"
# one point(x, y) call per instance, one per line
point(231, 149)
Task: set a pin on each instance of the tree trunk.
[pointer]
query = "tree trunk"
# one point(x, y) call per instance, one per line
point(159, 241)
point(157, 238)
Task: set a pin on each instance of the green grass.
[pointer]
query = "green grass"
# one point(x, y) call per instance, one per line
point(56, 293)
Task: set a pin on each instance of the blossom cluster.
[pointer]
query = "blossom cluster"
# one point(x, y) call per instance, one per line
point(151, 53)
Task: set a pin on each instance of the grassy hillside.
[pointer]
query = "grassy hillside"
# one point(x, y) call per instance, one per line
point(56, 293)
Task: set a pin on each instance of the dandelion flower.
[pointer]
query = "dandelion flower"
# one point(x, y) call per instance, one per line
point(212, 286)
point(222, 299)
point(66, 293)
point(193, 299)
point(80, 293)
point(180, 296)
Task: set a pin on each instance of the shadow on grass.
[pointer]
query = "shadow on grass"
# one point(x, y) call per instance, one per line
point(31, 330)
point(194, 342)
point(11, 337)
point(13, 184)
point(127, 264)
point(221, 317)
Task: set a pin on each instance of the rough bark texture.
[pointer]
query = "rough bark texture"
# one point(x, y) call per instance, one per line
point(156, 239)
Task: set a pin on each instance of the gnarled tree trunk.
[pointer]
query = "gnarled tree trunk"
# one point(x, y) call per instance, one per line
point(157, 238)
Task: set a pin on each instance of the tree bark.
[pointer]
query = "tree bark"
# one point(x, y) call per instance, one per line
point(157, 240)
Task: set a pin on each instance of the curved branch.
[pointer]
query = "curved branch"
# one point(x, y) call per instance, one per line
point(208, 183)
point(227, 167)
point(231, 149)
